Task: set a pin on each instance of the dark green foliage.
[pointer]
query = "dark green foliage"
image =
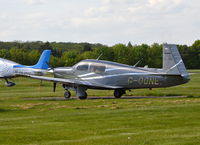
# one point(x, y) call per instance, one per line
point(45, 46)
point(4, 53)
point(155, 55)
point(129, 45)
point(70, 57)
point(87, 47)
point(105, 53)
point(120, 53)
point(68, 54)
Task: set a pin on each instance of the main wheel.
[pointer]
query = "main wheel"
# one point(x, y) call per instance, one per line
point(67, 94)
point(83, 97)
point(118, 93)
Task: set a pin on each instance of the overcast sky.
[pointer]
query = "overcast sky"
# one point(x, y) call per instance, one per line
point(101, 21)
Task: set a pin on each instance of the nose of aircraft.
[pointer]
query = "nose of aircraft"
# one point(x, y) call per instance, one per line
point(63, 71)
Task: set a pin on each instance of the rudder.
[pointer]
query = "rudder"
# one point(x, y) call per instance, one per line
point(43, 61)
point(172, 61)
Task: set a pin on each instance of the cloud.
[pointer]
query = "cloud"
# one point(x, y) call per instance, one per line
point(139, 20)
point(34, 2)
point(104, 21)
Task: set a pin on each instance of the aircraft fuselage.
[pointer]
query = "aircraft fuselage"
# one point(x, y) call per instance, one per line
point(115, 74)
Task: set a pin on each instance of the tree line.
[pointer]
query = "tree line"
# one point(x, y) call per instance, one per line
point(67, 54)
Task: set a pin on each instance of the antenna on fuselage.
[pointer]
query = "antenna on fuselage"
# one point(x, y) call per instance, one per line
point(137, 63)
point(99, 56)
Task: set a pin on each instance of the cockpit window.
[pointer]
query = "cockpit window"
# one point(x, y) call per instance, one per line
point(82, 67)
point(97, 68)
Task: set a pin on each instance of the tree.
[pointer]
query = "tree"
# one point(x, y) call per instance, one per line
point(154, 56)
point(194, 55)
point(106, 53)
point(18, 55)
point(120, 53)
point(4, 53)
point(129, 45)
point(70, 57)
point(141, 54)
point(33, 56)
point(45, 46)
point(87, 47)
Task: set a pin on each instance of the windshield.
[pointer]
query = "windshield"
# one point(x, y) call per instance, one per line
point(82, 67)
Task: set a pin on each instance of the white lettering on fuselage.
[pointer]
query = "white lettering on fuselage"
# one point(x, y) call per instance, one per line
point(148, 81)
point(143, 81)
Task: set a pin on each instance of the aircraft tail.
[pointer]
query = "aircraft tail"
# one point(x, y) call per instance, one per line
point(172, 61)
point(43, 61)
point(41, 64)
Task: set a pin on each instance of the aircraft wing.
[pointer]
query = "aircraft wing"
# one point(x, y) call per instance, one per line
point(75, 82)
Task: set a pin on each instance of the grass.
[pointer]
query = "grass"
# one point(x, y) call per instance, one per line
point(145, 121)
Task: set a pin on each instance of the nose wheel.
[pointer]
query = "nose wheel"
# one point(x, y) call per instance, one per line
point(67, 94)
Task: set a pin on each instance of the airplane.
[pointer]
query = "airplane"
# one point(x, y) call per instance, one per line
point(107, 75)
point(10, 69)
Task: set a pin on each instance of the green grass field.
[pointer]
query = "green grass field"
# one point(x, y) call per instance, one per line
point(27, 118)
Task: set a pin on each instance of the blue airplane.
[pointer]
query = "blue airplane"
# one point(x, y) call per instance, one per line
point(10, 69)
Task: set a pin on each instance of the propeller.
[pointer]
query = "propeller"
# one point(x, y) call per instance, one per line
point(51, 68)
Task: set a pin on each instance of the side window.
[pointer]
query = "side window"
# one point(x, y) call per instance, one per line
point(97, 68)
point(82, 67)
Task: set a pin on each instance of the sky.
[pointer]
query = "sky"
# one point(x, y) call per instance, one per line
point(101, 21)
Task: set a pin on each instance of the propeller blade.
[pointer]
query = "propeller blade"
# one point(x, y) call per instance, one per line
point(50, 66)
point(54, 87)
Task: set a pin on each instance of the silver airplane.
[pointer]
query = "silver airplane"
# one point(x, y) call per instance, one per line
point(106, 75)
point(10, 69)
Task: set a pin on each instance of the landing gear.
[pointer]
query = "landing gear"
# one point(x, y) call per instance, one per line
point(9, 84)
point(119, 93)
point(80, 92)
point(67, 94)
point(83, 97)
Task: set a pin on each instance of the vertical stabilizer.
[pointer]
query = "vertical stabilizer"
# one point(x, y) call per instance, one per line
point(172, 61)
point(42, 62)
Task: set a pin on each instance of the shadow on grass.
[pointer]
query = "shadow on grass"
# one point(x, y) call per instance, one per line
point(95, 98)
point(191, 96)
point(135, 97)
point(4, 110)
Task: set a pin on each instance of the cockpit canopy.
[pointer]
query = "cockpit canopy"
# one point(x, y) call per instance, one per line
point(91, 67)
point(82, 67)
point(97, 68)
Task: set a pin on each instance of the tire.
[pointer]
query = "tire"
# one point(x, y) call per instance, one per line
point(67, 95)
point(118, 93)
point(83, 97)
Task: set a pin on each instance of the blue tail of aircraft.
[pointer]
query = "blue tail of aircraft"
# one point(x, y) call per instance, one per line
point(43, 61)
point(41, 64)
